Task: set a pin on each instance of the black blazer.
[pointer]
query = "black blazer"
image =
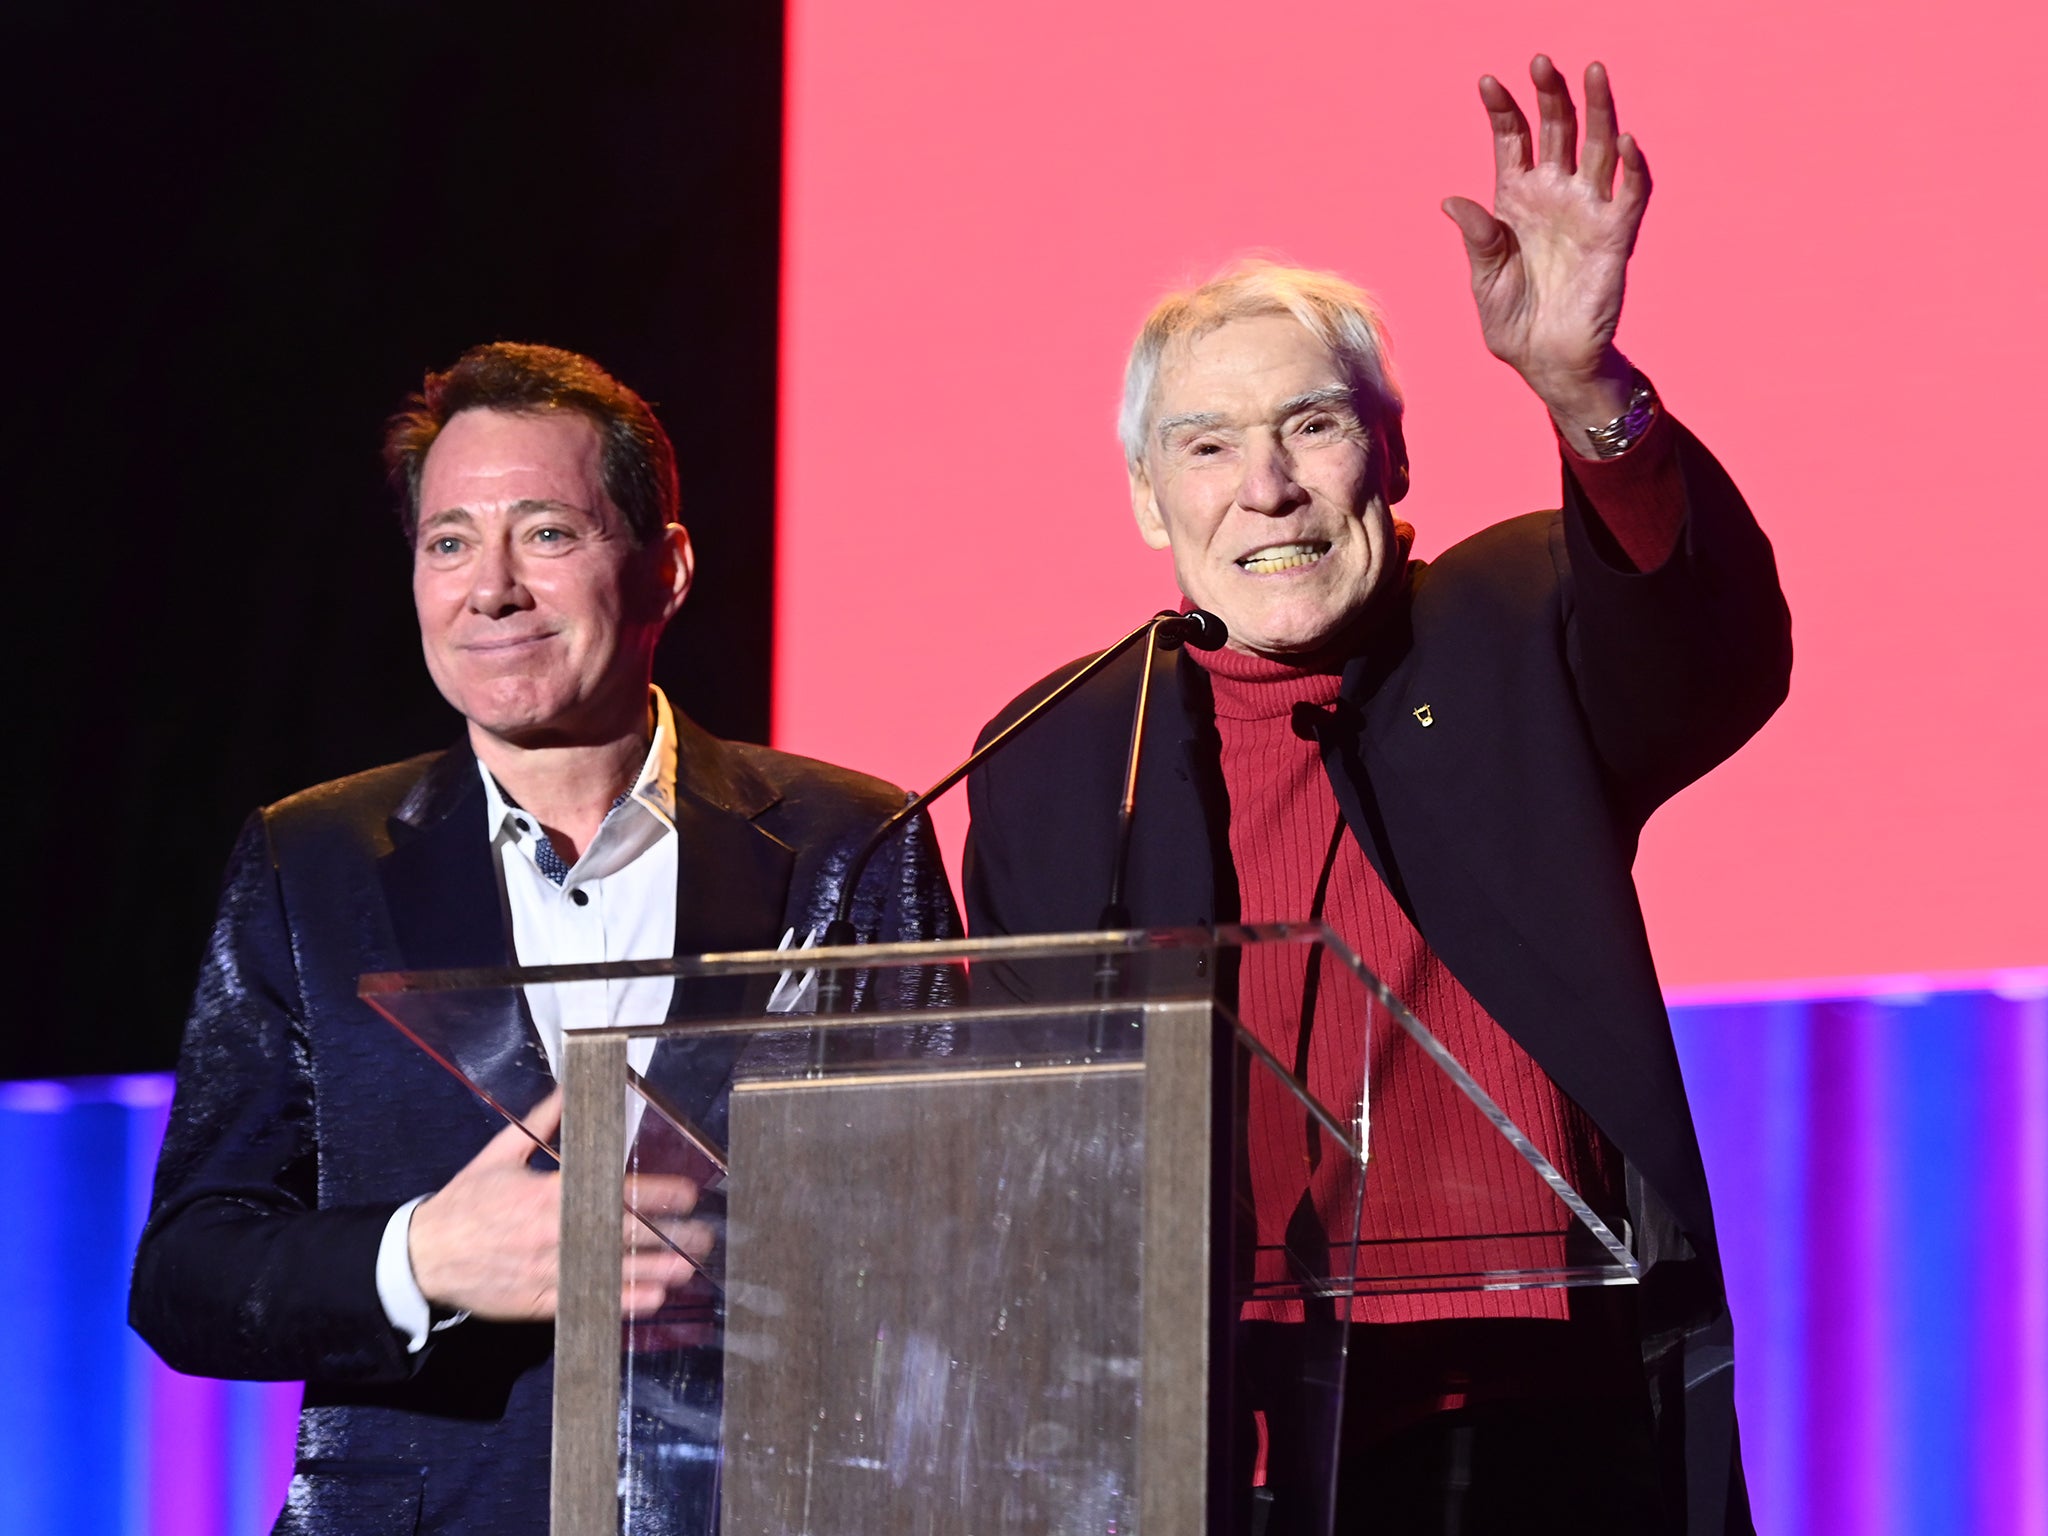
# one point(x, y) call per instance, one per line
point(1567, 696)
point(302, 1119)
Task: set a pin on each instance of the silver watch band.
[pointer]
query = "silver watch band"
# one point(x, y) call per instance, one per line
point(1626, 430)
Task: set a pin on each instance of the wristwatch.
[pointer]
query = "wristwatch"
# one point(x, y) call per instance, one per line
point(1626, 430)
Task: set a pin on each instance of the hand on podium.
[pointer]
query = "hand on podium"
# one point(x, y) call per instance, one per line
point(487, 1242)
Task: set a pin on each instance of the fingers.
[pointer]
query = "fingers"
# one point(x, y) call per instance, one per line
point(1510, 128)
point(642, 1298)
point(661, 1258)
point(1633, 196)
point(660, 1194)
point(544, 1120)
point(514, 1144)
point(672, 1235)
point(1488, 242)
point(1557, 139)
point(1557, 126)
point(695, 1238)
point(651, 1236)
point(1600, 154)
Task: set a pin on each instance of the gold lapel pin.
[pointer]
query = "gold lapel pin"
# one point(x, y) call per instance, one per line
point(1425, 716)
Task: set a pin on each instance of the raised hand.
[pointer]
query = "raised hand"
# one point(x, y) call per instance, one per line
point(1549, 262)
point(487, 1242)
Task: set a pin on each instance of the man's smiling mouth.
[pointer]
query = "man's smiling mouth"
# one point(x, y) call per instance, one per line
point(506, 644)
point(1284, 557)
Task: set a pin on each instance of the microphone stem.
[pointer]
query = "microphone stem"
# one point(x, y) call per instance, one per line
point(841, 930)
point(1114, 913)
point(1109, 968)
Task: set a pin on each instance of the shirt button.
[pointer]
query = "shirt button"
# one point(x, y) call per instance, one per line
point(522, 826)
point(580, 896)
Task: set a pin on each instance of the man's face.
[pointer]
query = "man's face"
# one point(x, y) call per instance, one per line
point(537, 615)
point(1269, 489)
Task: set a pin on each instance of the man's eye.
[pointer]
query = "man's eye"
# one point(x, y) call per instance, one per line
point(550, 535)
point(447, 544)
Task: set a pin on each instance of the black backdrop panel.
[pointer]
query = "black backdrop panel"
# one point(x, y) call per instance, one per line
point(240, 236)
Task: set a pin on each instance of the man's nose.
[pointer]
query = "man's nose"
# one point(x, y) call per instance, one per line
point(495, 588)
point(1269, 485)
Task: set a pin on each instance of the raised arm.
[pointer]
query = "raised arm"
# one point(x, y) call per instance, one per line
point(1550, 261)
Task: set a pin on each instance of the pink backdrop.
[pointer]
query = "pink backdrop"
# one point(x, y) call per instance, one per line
point(1840, 286)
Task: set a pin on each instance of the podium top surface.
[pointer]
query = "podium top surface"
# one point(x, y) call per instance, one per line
point(1194, 944)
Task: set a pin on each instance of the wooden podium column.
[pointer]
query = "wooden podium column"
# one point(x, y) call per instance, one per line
point(584, 1498)
point(1174, 1450)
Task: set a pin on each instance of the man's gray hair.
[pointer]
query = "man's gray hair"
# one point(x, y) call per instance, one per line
point(1341, 315)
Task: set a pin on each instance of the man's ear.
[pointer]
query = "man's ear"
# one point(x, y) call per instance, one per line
point(1145, 507)
point(676, 567)
point(1395, 447)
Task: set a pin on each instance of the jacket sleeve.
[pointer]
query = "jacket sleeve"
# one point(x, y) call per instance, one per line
point(906, 890)
point(1677, 667)
point(985, 869)
point(913, 902)
point(1004, 800)
point(239, 1273)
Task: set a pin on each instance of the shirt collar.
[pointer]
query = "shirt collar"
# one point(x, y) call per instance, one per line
point(654, 788)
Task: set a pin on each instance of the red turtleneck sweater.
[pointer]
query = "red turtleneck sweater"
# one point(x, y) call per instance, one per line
point(1437, 1169)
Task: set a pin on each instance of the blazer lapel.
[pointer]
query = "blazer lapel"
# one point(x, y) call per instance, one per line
point(439, 885)
point(732, 875)
point(447, 912)
point(1391, 793)
point(442, 890)
point(732, 881)
point(732, 890)
point(1371, 696)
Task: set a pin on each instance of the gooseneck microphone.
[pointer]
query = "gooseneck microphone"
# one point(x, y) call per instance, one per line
point(1166, 630)
point(1197, 627)
point(1205, 632)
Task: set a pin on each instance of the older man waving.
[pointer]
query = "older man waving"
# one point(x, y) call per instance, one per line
point(1450, 762)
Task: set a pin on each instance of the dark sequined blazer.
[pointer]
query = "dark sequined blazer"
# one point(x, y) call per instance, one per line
point(303, 1119)
point(1516, 712)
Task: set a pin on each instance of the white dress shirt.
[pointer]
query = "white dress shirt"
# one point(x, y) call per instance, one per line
point(617, 902)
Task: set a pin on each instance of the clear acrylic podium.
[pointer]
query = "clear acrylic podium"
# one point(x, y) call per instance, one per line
point(1004, 1242)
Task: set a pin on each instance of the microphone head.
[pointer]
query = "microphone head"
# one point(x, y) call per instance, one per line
point(1203, 630)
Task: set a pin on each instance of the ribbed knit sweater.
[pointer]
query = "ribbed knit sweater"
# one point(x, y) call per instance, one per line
point(1439, 1175)
point(1436, 1166)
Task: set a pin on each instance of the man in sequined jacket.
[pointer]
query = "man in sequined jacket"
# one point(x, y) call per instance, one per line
point(332, 1206)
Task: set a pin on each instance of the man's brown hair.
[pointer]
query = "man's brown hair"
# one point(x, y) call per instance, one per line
point(638, 462)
